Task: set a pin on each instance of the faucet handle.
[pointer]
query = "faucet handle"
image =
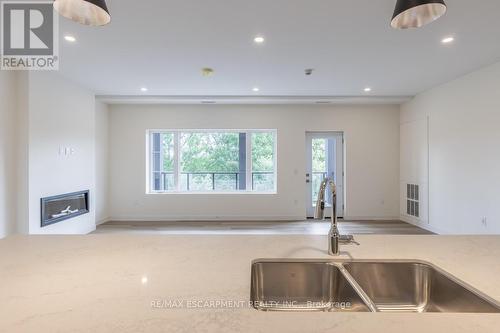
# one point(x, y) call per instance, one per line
point(347, 239)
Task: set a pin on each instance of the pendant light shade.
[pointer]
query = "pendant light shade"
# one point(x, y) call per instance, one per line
point(417, 13)
point(87, 12)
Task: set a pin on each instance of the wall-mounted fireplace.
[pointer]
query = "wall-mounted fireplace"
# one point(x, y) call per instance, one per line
point(62, 207)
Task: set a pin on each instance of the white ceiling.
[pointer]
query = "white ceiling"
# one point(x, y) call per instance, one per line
point(163, 44)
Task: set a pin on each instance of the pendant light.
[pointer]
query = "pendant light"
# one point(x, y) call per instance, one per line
point(417, 13)
point(87, 12)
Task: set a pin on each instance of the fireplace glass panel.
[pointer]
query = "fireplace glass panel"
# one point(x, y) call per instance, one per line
point(62, 207)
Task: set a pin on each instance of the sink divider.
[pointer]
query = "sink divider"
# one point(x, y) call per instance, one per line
point(368, 301)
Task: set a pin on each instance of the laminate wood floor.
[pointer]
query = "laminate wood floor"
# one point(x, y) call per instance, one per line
point(309, 227)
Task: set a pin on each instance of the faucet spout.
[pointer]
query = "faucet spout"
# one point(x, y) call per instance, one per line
point(321, 204)
point(333, 234)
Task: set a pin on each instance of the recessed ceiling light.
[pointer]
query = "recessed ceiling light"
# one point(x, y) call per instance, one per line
point(259, 39)
point(144, 89)
point(368, 89)
point(69, 38)
point(256, 89)
point(447, 40)
point(207, 71)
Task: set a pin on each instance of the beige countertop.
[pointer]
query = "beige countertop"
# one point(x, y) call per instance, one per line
point(108, 283)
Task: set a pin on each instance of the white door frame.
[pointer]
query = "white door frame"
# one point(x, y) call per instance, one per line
point(336, 155)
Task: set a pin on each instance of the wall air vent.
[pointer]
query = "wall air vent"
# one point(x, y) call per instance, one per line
point(413, 200)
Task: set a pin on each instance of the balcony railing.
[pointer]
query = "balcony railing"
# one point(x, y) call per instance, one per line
point(223, 181)
point(322, 174)
point(212, 181)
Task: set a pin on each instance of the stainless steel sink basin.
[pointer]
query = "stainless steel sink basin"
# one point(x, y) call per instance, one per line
point(305, 286)
point(361, 286)
point(415, 287)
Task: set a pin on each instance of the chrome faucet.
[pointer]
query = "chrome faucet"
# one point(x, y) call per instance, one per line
point(334, 236)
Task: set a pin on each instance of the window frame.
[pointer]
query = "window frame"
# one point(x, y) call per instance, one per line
point(177, 153)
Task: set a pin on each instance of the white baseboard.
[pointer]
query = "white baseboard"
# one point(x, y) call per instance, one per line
point(107, 219)
point(203, 218)
point(235, 218)
point(425, 226)
point(371, 218)
point(91, 230)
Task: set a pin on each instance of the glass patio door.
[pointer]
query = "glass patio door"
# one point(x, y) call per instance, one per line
point(324, 158)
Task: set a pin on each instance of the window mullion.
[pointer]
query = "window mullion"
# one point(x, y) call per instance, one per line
point(249, 177)
point(161, 164)
point(177, 169)
point(151, 162)
point(275, 159)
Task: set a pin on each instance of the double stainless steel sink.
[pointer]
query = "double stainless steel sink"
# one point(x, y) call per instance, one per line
point(362, 286)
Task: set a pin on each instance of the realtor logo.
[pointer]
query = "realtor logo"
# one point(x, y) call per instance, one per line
point(29, 38)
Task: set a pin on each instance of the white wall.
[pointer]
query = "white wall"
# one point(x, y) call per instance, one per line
point(464, 152)
point(8, 85)
point(102, 184)
point(414, 166)
point(60, 115)
point(22, 154)
point(372, 160)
